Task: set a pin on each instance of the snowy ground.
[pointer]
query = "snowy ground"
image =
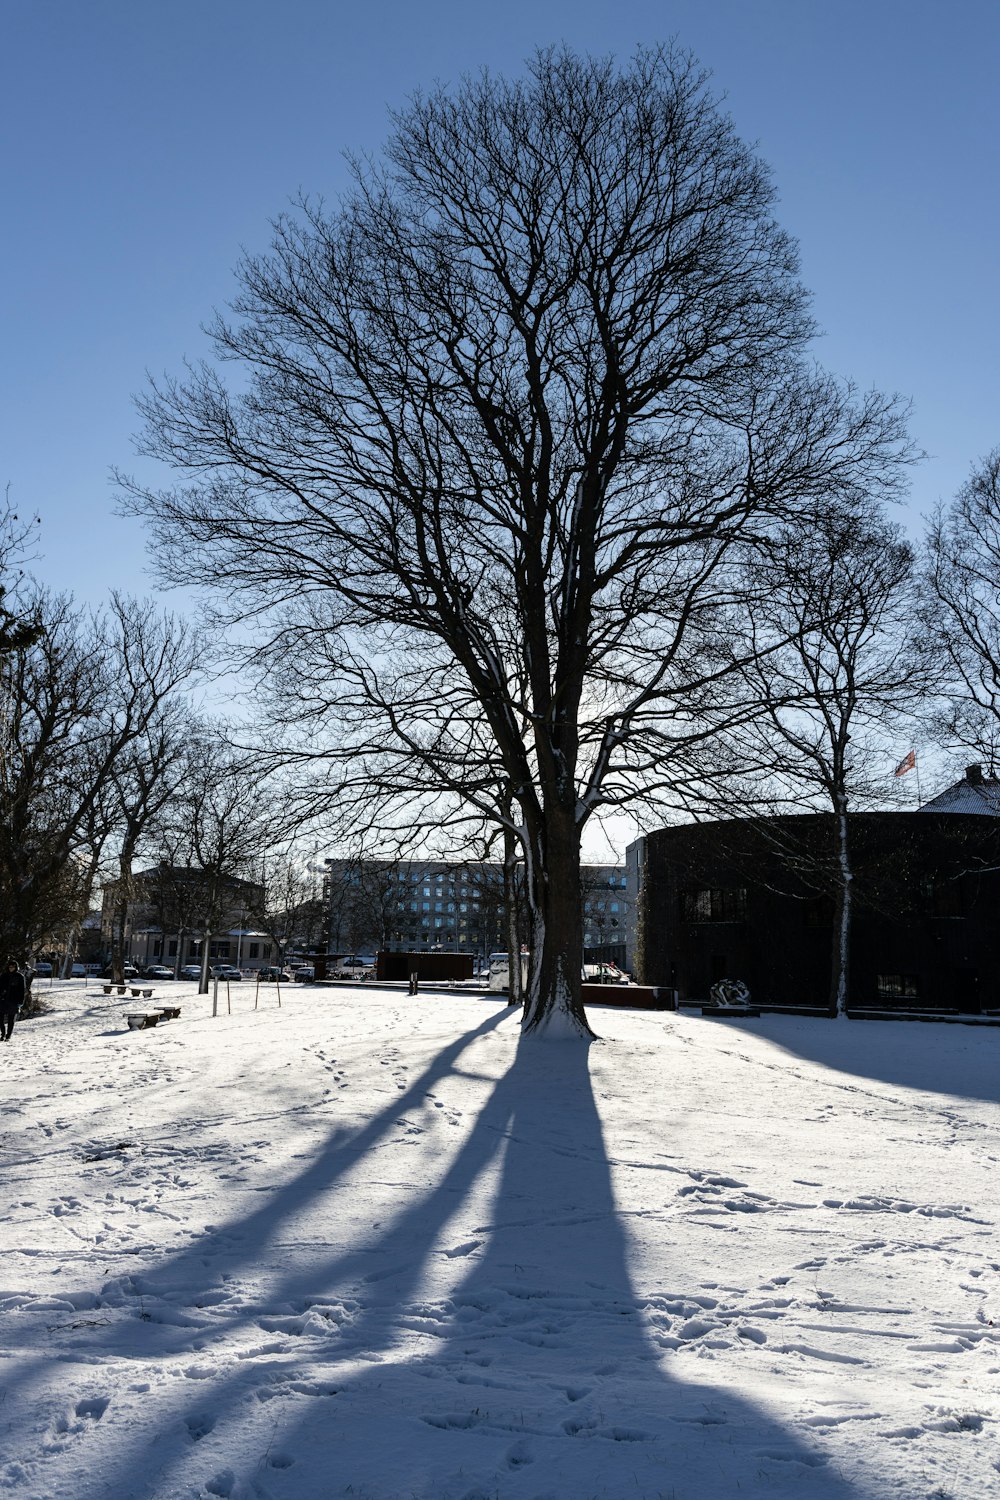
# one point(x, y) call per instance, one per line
point(369, 1246)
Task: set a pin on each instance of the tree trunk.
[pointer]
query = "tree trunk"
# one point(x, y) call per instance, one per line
point(515, 977)
point(205, 960)
point(123, 896)
point(841, 934)
point(554, 1004)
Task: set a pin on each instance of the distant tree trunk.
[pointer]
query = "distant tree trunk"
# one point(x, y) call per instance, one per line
point(206, 943)
point(123, 896)
point(842, 912)
point(515, 991)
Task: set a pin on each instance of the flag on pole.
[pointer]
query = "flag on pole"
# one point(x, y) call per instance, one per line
point(908, 763)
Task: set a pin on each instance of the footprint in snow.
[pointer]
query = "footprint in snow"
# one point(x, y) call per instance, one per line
point(200, 1424)
point(519, 1455)
point(93, 1407)
point(222, 1484)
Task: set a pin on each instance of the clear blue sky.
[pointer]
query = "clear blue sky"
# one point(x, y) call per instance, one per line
point(145, 143)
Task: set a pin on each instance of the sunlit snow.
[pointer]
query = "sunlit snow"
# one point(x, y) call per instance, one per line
point(374, 1246)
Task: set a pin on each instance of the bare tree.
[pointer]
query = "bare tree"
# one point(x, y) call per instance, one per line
point(506, 415)
point(77, 698)
point(219, 821)
point(150, 770)
point(961, 595)
point(285, 903)
point(837, 670)
point(17, 630)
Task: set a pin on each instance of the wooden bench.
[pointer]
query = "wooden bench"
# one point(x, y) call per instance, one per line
point(139, 1020)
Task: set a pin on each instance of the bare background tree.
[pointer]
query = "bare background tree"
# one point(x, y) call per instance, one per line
point(837, 671)
point(77, 699)
point(215, 837)
point(961, 612)
point(150, 772)
point(502, 421)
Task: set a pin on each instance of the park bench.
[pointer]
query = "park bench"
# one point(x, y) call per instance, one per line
point(168, 1012)
point(139, 1020)
point(110, 988)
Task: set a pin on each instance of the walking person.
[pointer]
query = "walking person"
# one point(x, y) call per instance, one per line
point(11, 998)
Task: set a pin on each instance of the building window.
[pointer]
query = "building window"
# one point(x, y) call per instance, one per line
point(944, 898)
point(896, 986)
point(714, 905)
point(158, 948)
point(253, 951)
point(172, 950)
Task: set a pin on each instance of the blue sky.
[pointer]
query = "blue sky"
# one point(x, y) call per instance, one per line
point(145, 143)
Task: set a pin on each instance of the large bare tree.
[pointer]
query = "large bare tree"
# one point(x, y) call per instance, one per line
point(499, 422)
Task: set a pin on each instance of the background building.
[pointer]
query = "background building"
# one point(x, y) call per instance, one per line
point(166, 918)
point(753, 900)
point(407, 905)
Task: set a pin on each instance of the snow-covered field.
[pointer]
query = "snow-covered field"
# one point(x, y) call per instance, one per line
point(370, 1246)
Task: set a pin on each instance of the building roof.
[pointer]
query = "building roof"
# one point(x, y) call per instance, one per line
point(975, 793)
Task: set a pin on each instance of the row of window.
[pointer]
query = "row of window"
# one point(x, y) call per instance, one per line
point(472, 906)
point(220, 949)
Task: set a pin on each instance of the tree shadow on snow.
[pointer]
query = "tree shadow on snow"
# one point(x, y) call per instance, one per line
point(939, 1057)
point(538, 1370)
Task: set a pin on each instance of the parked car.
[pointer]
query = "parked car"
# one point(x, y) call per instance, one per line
point(78, 971)
point(604, 973)
point(128, 972)
point(277, 974)
point(43, 970)
point(304, 973)
point(191, 971)
point(158, 971)
point(226, 971)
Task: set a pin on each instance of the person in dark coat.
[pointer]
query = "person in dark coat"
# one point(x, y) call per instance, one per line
point(11, 997)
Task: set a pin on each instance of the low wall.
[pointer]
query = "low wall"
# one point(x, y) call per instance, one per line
point(629, 996)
